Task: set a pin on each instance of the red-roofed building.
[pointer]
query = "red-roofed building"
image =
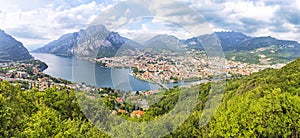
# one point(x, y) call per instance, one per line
point(137, 113)
point(122, 111)
point(119, 99)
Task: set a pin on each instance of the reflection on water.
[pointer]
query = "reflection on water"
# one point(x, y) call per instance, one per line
point(79, 71)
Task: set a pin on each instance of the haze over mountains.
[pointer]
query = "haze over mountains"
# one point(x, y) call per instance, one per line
point(99, 42)
point(11, 49)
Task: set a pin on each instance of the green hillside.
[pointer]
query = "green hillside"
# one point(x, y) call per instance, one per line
point(265, 104)
point(264, 50)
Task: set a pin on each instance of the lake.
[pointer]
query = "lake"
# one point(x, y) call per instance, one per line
point(79, 71)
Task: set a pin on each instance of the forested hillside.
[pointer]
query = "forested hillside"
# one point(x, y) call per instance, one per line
point(265, 104)
point(42, 114)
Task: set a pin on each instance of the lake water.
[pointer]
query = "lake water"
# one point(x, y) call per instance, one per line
point(79, 71)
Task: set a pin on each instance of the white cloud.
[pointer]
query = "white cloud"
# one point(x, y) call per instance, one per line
point(249, 9)
point(288, 35)
point(48, 21)
point(276, 18)
point(43, 21)
point(174, 15)
point(146, 28)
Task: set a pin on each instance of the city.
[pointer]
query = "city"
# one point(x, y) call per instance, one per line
point(193, 65)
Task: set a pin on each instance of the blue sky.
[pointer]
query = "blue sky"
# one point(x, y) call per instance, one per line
point(37, 22)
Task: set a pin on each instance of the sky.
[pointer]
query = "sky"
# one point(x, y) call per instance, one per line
point(38, 22)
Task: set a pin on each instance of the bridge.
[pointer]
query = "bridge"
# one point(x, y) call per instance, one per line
point(162, 85)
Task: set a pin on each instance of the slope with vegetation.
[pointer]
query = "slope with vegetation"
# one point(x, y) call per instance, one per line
point(264, 104)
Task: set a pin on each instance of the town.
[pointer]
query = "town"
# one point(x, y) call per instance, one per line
point(29, 75)
point(193, 65)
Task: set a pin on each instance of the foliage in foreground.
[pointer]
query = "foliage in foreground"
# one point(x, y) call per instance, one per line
point(265, 104)
point(52, 113)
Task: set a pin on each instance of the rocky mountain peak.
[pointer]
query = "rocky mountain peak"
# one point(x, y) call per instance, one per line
point(11, 49)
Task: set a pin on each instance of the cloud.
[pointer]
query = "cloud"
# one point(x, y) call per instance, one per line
point(276, 18)
point(175, 15)
point(38, 22)
point(44, 22)
point(77, 17)
point(27, 33)
point(255, 10)
point(145, 29)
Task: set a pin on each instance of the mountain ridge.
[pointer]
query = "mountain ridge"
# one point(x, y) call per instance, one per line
point(94, 40)
point(235, 45)
point(12, 50)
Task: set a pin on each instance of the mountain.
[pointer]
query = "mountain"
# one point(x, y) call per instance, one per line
point(62, 47)
point(97, 41)
point(264, 50)
point(162, 43)
point(228, 40)
point(256, 50)
point(259, 42)
point(11, 49)
point(94, 41)
point(231, 39)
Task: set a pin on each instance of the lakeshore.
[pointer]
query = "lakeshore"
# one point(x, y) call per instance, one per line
point(94, 74)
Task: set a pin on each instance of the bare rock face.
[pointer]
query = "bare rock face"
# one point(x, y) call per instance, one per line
point(94, 41)
point(61, 47)
point(11, 49)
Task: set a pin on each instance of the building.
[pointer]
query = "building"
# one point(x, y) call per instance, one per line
point(122, 111)
point(21, 74)
point(137, 113)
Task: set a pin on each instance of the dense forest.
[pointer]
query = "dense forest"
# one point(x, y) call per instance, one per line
point(264, 104)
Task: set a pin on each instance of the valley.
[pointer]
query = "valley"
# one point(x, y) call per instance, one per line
point(149, 69)
point(258, 70)
point(236, 46)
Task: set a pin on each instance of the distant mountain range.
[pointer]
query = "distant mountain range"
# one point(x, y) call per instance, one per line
point(11, 49)
point(97, 41)
point(257, 50)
